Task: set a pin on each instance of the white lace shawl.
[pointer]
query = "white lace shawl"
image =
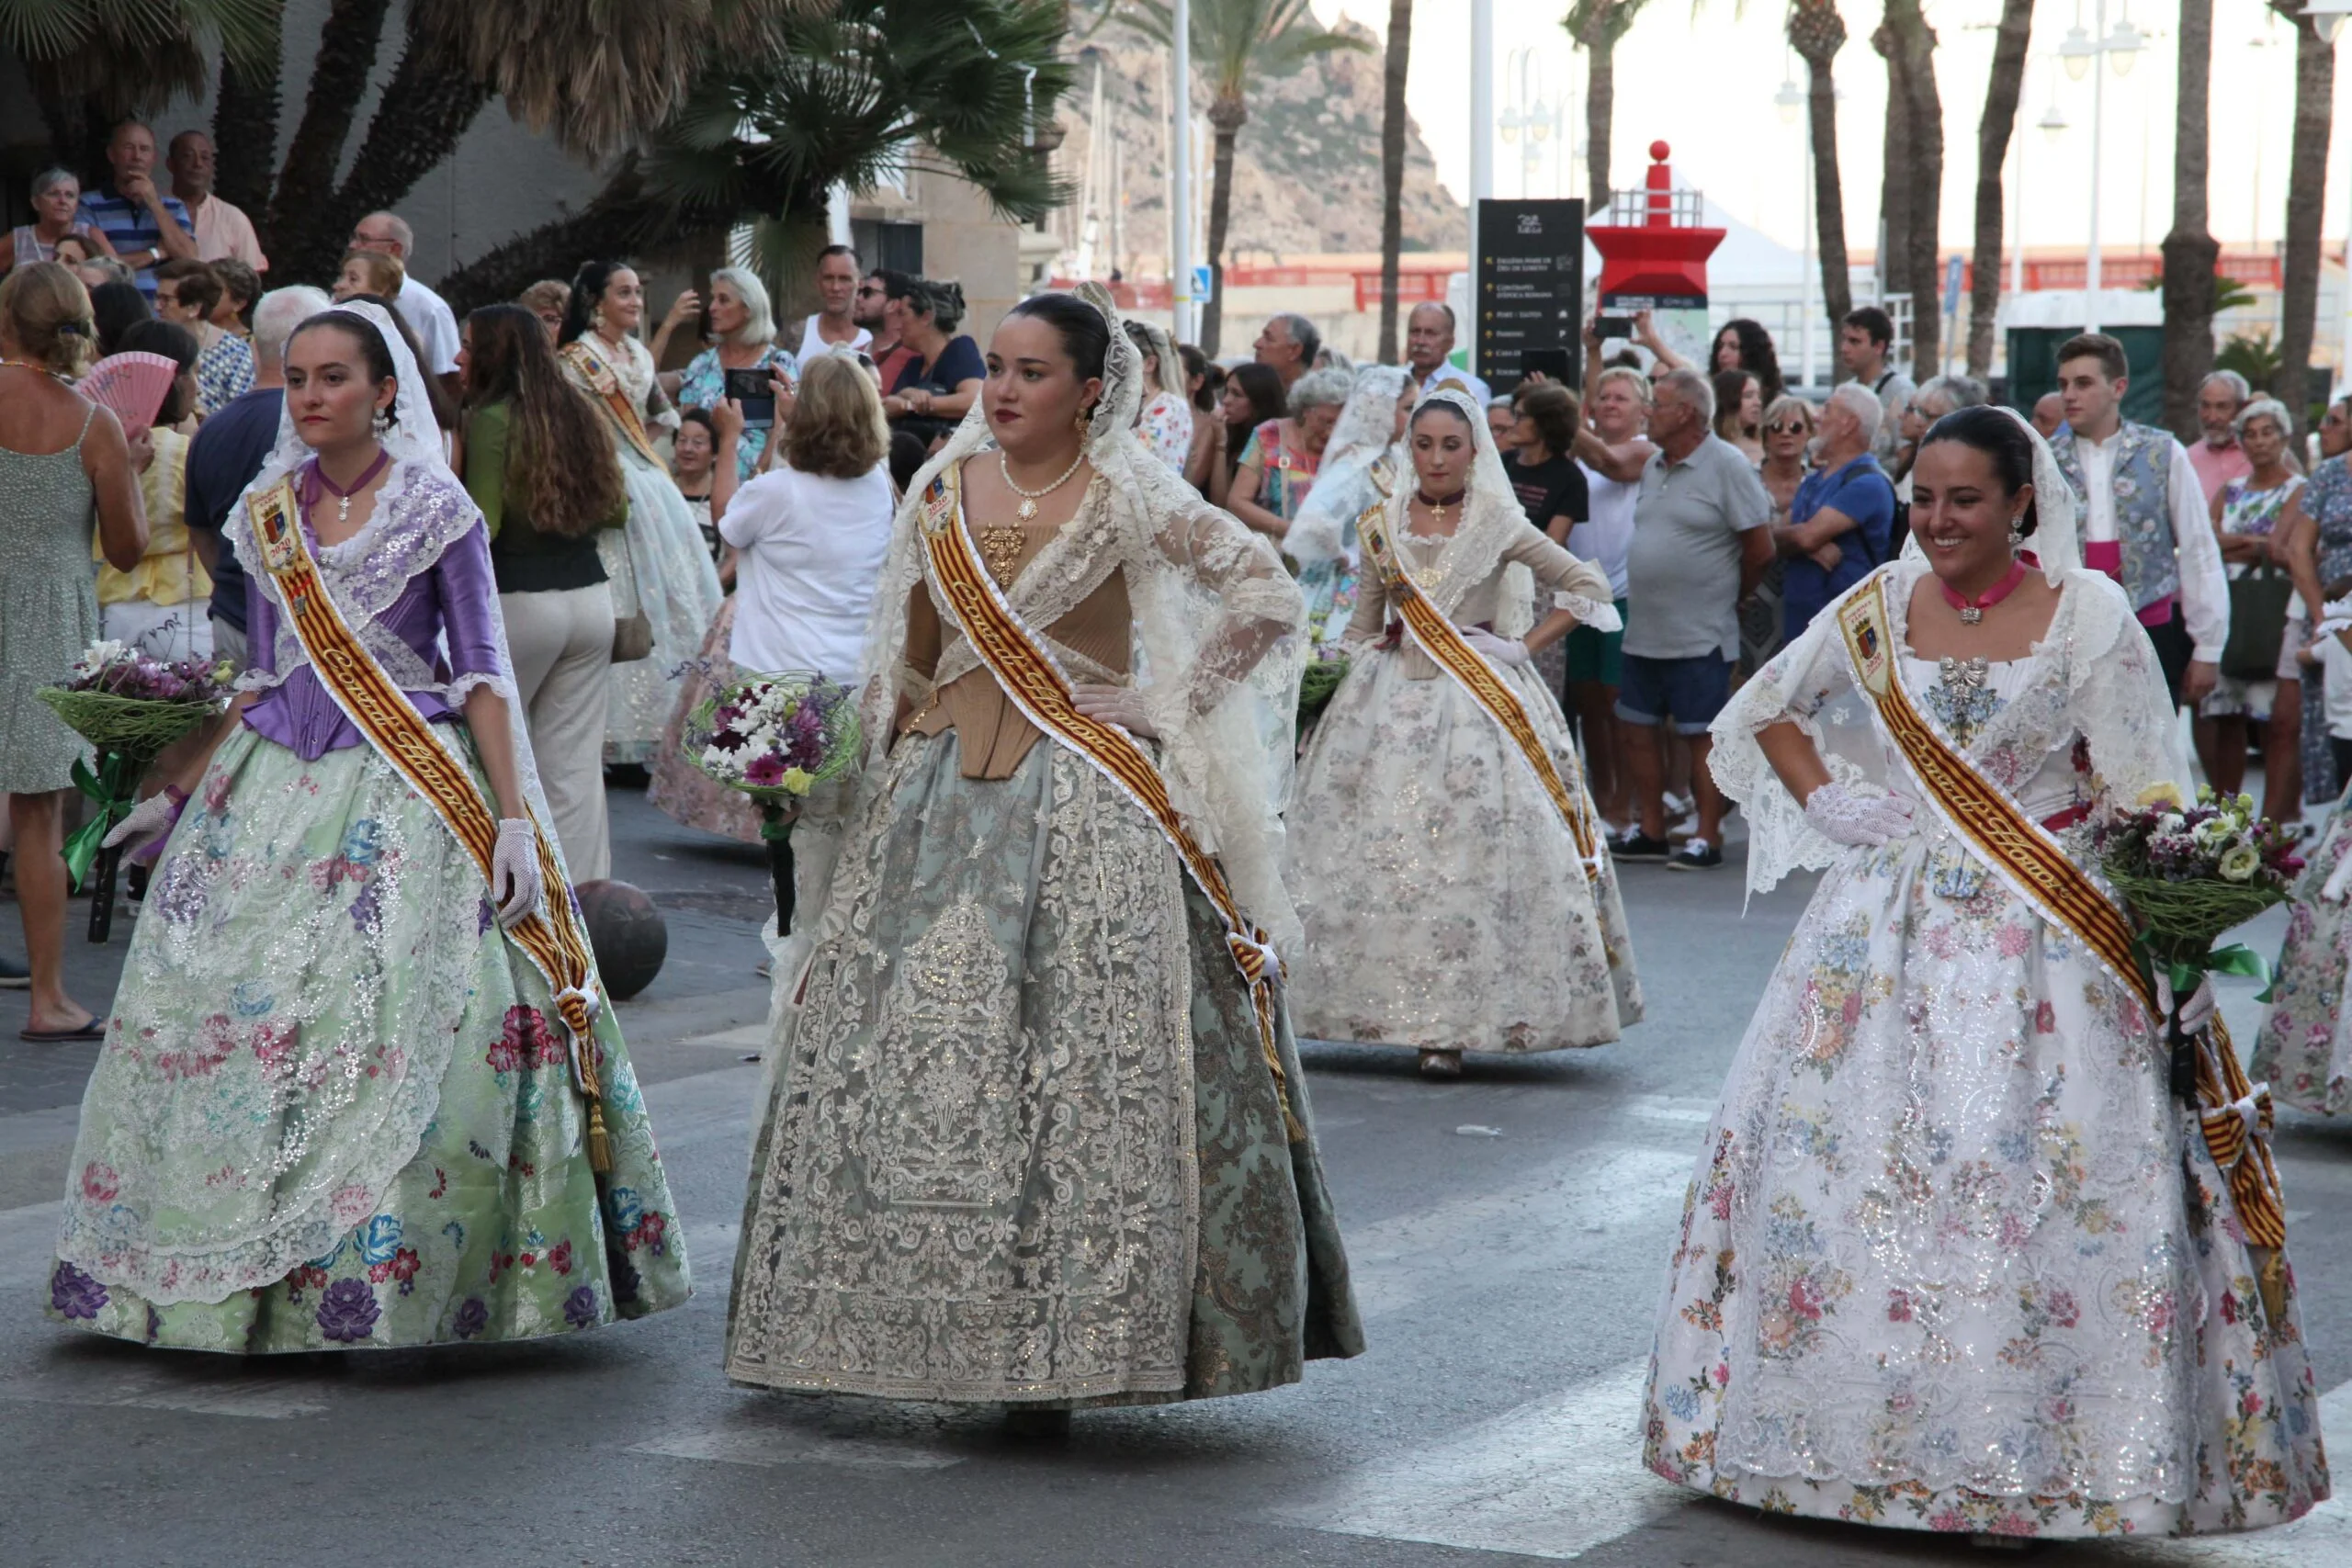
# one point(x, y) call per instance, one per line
point(1218, 633)
point(1344, 487)
point(2096, 679)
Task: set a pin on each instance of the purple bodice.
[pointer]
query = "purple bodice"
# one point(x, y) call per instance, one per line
point(448, 615)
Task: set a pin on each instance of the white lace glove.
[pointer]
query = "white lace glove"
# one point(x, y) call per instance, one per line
point(1122, 706)
point(2197, 1010)
point(514, 872)
point(1865, 821)
point(1507, 651)
point(149, 821)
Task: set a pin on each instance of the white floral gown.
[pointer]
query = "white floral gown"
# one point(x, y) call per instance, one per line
point(1446, 905)
point(1953, 1259)
point(2305, 1048)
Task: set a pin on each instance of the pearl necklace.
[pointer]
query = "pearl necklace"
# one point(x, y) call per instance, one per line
point(1027, 509)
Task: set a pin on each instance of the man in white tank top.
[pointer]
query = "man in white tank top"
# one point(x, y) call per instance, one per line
point(832, 326)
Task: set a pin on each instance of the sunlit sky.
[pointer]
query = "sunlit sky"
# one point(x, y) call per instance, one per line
point(1704, 81)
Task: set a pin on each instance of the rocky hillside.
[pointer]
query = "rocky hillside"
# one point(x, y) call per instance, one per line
point(1307, 166)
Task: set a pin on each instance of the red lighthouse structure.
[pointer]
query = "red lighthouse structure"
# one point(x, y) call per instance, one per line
point(1652, 250)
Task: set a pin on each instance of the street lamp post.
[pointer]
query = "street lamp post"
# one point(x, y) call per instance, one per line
point(1180, 217)
point(1482, 145)
point(2080, 54)
point(1790, 101)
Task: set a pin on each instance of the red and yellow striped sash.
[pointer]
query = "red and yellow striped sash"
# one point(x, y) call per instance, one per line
point(551, 939)
point(606, 382)
point(2025, 855)
point(1039, 689)
point(1445, 643)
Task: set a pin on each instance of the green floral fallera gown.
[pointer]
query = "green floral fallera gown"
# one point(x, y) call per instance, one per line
point(335, 1108)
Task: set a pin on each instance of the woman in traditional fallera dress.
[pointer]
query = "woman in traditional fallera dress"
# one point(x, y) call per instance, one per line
point(1036, 1132)
point(1455, 898)
point(1954, 1258)
point(658, 564)
point(2305, 1051)
point(339, 1105)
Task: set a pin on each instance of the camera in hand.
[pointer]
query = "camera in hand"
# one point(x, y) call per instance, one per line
point(750, 389)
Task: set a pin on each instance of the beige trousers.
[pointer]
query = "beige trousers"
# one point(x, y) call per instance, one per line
point(562, 644)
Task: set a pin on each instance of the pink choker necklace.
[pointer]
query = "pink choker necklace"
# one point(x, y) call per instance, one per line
point(1972, 611)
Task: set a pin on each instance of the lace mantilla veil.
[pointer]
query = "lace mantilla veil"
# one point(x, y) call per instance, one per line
point(421, 510)
point(1219, 643)
point(1343, 484)
point(1809, 684)
point(1491, 513)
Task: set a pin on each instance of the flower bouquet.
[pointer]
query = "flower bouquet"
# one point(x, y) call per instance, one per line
point(1316, 684)
point(775, 737)
point(129, 706)
point(2191, 874)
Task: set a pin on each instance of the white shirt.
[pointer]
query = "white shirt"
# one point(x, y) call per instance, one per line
point(435, 326)
point(1604, 539)
point(813, 344)
point(2204, 585)
point(1454, 376)
point(811, 549)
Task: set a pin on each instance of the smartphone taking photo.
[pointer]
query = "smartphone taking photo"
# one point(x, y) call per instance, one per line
point(750, 389)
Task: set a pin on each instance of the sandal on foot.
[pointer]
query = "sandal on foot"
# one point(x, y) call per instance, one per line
point(96, 1029)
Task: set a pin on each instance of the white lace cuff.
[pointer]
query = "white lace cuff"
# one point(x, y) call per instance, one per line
point(1600, 617)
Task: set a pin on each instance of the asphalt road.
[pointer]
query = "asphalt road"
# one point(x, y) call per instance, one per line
point(1509, 1234)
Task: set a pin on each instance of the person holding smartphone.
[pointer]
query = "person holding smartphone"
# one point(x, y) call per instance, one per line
point(742, 353)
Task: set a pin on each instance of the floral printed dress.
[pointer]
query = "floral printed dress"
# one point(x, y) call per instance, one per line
point(703, 385)
point(335, 1109)
point(1953, 1259)
point(2305, 1048)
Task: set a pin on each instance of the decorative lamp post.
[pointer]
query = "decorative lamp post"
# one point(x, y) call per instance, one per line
point(2327, 17)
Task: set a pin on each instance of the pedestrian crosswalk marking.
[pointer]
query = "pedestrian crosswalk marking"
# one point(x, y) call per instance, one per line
point(1542, 1221)
point(1553, 1479)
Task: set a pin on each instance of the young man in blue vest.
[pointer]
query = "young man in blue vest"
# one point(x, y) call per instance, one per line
point(2144, 521)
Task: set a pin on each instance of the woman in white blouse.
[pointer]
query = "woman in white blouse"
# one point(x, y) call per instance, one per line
point(811, 532)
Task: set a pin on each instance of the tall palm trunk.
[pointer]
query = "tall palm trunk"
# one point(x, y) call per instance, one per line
point(1912, 42)
point(425, 109)
point(2306, 198)
point(1895, 185)
point(1600, 110)
point(338, 80)
point(2003, 87)
point(1817, 32)
point(2191, 253)
point(1228, 115)
point(1392, 170)
point(244, 125)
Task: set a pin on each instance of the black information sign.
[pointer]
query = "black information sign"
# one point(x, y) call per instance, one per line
point(1530, 290)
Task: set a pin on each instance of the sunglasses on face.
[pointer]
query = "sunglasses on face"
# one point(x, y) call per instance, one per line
point(1788, 427)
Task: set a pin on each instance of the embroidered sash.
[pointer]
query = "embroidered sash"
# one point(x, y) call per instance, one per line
point(1443, 642)
point(551, 939)
point(2234, 1116)
point(1042, 692)
point(606, 381)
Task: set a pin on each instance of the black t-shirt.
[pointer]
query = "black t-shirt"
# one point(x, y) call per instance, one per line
point(222, 460)
point(1553, 487)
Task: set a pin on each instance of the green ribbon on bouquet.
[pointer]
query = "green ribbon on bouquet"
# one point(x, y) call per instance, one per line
point(115, 788)
point(2235, 959)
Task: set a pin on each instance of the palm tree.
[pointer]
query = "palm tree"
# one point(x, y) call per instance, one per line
point(1915, 171)
point(90, 63)
point(2190, 252)
point(2002, 86)
point(1391, 169)
point(1596, 26)
point(2306, 197)
point(957, 88)
point(1237, 41)
point(1817, 32)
